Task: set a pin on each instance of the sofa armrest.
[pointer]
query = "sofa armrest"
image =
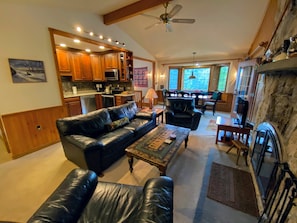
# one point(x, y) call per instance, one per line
point(83, 142)
point(157, 201)
point(146, 115)
point(67, 202)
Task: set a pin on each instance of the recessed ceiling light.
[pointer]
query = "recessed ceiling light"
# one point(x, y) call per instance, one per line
point(76, 40)
point(88, 50)
point(102, 47)
point(62, 44)
point(78, 29)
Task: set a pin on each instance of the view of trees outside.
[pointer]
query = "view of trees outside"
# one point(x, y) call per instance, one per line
point(173, 79)
point(223, 78)
point(199, 83)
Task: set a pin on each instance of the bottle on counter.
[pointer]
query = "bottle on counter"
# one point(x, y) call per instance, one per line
point(74, 89)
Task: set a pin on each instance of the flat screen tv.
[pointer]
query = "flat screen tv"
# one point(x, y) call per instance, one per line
point(242, 110)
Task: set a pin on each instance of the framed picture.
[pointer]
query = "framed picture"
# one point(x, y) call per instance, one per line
point(27, 71)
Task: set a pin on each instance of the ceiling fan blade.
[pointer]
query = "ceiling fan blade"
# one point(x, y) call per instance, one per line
point(168, 27)
point(151, 26)
point(151, 16)
point(174, 11)
point(183, 20)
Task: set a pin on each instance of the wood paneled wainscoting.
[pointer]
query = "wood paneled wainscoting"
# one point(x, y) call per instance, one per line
point(30, 131)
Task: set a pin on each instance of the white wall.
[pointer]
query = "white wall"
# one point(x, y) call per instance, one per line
point(25, 35)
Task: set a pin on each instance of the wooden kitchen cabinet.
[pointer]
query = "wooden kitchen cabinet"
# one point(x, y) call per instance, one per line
point(82, 70)
point(97, 67)
point(98, 98)
point(73, 106)
point(119, 100)
point(111, 61)
point(64, 62)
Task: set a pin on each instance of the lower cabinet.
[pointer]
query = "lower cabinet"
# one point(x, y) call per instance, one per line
point(98, 98)
point(119, 100)
point(73, 106)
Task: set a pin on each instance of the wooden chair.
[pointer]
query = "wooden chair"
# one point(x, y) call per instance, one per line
point(212, 102)
point(240, 142)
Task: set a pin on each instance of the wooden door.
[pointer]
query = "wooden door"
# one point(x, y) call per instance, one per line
point(245, 85)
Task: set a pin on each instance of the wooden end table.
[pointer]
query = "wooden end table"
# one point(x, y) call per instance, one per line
point(159, 112)
point(151, 148)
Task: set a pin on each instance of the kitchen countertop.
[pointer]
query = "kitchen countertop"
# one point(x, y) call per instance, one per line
point(86, 93)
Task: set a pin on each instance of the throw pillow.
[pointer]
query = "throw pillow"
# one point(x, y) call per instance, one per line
point(216, 96)
point(118, 123)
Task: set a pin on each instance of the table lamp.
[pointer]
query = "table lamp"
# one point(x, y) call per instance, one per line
point(151, 94)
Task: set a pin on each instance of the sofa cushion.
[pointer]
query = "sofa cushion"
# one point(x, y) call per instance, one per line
point(118, 123)
point(127, 110)
point(91, 124)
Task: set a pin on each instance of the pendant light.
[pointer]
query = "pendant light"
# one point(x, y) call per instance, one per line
point(193, 76)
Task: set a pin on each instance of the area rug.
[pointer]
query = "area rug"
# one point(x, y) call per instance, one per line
point(232, 187)
point(211, 125)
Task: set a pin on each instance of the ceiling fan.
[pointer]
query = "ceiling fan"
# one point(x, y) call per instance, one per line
point(167, 17)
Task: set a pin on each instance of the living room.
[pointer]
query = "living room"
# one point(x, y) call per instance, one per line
point(28, 37)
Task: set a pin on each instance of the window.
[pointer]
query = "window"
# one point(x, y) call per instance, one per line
point(199, 83)
point(210, 78)
point(173, 79)
point(223, 78)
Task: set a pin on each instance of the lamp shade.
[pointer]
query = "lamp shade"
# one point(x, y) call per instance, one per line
point(151, 94)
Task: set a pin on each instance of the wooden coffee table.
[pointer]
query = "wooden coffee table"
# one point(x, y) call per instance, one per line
point(153, 149)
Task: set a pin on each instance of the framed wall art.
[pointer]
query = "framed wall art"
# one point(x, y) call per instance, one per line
point(27, 71)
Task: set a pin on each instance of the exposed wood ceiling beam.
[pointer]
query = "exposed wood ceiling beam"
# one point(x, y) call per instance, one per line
point(130, 10)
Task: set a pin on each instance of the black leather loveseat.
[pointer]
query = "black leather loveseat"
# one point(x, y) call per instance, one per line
point(81, 198)
point(181, 111)
point(96, 140)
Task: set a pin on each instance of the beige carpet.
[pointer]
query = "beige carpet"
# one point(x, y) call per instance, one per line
point(27, 181)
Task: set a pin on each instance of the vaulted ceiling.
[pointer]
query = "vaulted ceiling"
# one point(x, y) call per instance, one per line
point(222, 29)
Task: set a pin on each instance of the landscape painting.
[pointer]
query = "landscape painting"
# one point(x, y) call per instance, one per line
point(27, 71)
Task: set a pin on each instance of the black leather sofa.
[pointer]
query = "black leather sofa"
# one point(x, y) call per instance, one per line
point(96, 140)
point(81, 198)
point(182, 112)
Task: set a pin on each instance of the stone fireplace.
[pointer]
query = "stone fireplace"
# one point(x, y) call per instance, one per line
point(276, 116)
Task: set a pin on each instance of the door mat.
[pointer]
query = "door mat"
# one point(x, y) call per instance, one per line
point(232, 187)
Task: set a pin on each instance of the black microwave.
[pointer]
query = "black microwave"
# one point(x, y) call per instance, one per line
point(111, 74)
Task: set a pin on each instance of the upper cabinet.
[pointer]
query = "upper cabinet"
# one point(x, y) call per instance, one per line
point(111, 61)
point(64, 62)
point(97, 67)
point(87, 60)
point(81, 64)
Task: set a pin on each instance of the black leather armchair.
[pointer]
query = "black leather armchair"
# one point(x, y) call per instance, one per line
point(81, 198)
point(182, 112)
